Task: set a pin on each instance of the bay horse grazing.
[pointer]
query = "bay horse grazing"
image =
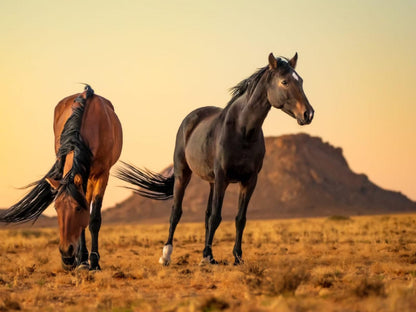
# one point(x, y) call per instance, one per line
point(88, 142)
point(225, 146)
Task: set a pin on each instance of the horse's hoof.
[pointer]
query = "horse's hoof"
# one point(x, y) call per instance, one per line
point(207, 260)
point(95, 267)
point(238, 262)
point(83, 266)
point(164, 261)
point(167, 251)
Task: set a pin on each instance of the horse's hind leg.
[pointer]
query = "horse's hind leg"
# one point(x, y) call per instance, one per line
point(215, 218)
point(246, 190)
point(182, 179)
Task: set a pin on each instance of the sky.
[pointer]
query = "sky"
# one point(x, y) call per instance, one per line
point(158, 60)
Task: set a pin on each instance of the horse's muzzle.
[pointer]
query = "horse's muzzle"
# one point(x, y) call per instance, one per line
point(68, 257)
point(68, 263)
point(307, 117)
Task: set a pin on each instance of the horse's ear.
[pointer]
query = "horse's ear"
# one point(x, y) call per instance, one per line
point(78, 180)
point(294, 60)
point(53, 183)
point(272, 61)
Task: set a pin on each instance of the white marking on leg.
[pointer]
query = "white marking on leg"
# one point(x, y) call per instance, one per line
point(295, 76)
point(91, 207)
point(167, 251)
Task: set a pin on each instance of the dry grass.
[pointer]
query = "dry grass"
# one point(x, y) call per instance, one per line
point(333, 264)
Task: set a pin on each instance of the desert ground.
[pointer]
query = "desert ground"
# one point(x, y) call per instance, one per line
point(322, 264)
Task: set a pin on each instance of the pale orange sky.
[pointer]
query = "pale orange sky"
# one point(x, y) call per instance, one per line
point(158, 60)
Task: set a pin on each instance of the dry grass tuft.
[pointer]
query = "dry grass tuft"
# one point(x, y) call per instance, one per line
point(287, 280)
point(369, 287)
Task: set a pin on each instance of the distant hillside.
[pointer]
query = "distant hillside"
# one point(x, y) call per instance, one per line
point(302, 176)
point(42, 221)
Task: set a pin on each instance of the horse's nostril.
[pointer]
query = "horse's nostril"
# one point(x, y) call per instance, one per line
point(306, 116)
point(68, 253)
point(70, 250)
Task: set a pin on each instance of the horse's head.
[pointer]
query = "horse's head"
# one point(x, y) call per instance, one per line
point(73, 216)
point(285, 89)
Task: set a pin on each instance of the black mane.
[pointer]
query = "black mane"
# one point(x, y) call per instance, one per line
point(249, 84)
point(71, 140)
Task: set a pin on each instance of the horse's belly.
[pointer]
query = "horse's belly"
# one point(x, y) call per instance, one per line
point(199, 153)
point(199, 163)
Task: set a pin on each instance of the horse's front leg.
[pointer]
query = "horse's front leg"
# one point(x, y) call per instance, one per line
point(99, 187)
point(215, 218)
point(246, 190)
point(94, 226)
point(209, 209)
point(82, 256)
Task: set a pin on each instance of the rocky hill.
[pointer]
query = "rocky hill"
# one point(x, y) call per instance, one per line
point(302, 176)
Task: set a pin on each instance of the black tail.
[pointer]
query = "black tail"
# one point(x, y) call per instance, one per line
point(151, 185)
point(33, 204)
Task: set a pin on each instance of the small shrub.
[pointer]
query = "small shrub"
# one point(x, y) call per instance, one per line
point(288, 281)
point(366, 288)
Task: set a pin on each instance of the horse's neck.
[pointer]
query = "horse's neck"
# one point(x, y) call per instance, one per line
point(254, 110)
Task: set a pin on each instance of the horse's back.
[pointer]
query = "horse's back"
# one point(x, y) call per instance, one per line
point(100, 130)
point(196, 117)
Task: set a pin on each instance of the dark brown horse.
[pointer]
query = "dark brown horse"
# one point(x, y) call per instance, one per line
point(225, 146)
point(88, 141)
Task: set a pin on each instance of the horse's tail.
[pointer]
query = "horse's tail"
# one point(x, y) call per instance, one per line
point(151, 185)
point(35, 202)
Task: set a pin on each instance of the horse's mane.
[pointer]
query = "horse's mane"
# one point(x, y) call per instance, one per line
point(71, 140)
point(249, 84)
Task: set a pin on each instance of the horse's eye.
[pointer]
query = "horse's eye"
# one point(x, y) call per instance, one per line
point(78, 208)
point(284, 82)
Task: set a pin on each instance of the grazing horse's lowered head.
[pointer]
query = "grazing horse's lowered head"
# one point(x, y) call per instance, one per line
point(73, 216)
point(285, 90)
